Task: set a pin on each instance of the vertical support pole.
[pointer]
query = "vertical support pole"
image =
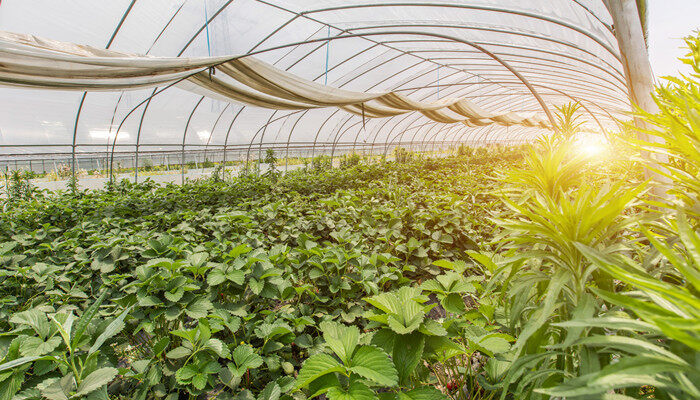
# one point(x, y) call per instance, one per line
point(635, 61)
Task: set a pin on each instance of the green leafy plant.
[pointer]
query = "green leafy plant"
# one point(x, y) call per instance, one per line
point(352, 372)
point(68, 357)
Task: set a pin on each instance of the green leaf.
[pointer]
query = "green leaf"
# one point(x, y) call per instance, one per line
point(17, 362)
point(271, 392)
point(56, 389)
point(198, 259)
point(633, 371)
point(65, 328)
point(372, 363)
point(408, 351)
point(186, 373)
point(87, 316)
point(245, 358)
point(199, 381)
point(341, 339)
point(199, 308)
point(422, 393)
point(356, 391)
point(112, 329)
point(431, 327)
point(216, 277)
point(161, 345)
point(218, 347)
point(548, 306)
point(315, 367)
point(178, 352)
point(493, 344)
point(34, 346)
point(454, 303)
point(323, 384)
point(33, 318)
point(96, 380)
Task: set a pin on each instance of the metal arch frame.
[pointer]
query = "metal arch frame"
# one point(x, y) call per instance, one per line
point(263, 128)
point(401, 53)
point(270, 35)
point(305, 14)
point(559, 65)
point(82, 99)
point(608, 27)
point(471, 132)
point(563, 68)
point(503, 31)
point(405, 129)
point(286, 156)
point(567, 79)
point(318, 132)
point(461, 133)
point(279, 27)
point(415, 120)
point(384, 33)
point(418, 75)
point(228, 132)
point(572, 97)
point(618, 77)
point(592, 115)
point(434, 140)
point(507, 83)
point(184, 137)
point(599, 96)
point(116, 134)
point(155, 90)
point(352, 79)
point(390, 118)
point(116, 106)
point(256, 46)
point(444, 139)
point(221, 9)
point(211, 132)
point(473, 7)
point(462, 27)
point(567, 76)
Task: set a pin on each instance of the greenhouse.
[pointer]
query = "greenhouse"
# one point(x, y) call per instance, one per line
point(348, 200)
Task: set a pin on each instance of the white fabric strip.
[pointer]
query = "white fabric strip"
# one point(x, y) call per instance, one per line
point(29, 61)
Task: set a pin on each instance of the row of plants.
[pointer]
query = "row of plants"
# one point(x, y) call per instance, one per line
point(224, 287)
point(599, 279)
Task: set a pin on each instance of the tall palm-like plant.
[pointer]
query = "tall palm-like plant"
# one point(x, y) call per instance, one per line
point(568, 119)
point(547, 279)
point(654, 328)
point(676, 132)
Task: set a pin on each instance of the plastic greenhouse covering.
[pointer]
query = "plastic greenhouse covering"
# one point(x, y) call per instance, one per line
point(174, 78)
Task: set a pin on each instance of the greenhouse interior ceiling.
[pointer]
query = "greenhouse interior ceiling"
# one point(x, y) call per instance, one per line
point(194, 76)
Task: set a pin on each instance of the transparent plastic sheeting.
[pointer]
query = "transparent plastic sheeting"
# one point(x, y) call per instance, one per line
point(31, 62)
point(564, 49)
